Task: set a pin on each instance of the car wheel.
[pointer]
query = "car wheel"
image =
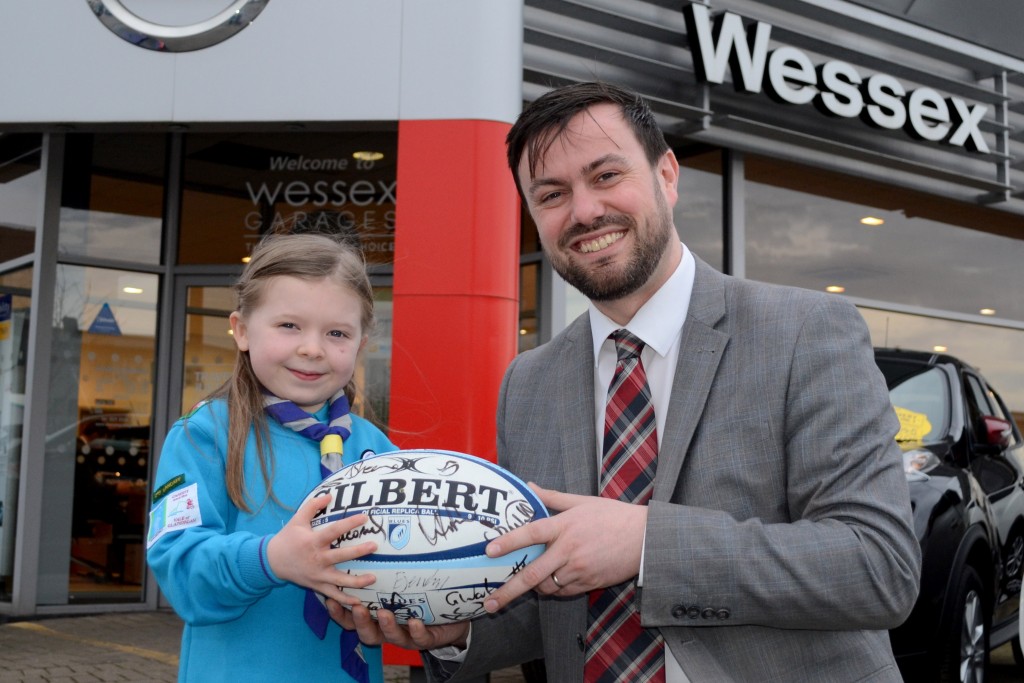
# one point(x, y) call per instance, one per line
point(1015, 558)
point(965, 651)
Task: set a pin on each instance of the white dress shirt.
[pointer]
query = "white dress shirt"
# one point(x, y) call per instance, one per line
point(659, 323)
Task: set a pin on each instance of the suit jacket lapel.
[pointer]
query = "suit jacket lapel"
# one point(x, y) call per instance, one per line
point(575, 416)
point(700, 351)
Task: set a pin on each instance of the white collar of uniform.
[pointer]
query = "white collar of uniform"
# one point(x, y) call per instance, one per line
point(660, 320)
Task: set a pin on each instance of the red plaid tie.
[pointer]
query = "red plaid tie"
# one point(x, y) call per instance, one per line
point(618, 648)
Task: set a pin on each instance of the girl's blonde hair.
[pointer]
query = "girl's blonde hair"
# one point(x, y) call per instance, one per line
point(307, 256)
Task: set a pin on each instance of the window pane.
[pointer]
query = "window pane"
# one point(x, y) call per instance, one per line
point(698, 213)
point(15, 306)
point(112, 197)
point(999, 410)
point(926, 394)
point(980, 397)
point(812, 228)
point(239, 187)
point(529, 283)
point(529, 240)
point(209, 349)
point(373, 375)
point(98, 435)
point(21, 191)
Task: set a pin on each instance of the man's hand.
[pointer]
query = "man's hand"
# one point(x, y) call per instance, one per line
point(414, 636)
point(592, 543)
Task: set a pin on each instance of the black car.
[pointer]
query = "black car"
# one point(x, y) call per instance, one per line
point(964, 459)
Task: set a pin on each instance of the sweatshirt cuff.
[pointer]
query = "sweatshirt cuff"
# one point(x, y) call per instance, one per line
point(254, 564)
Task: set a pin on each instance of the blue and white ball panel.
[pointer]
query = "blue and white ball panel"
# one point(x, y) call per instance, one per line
point(432, 513)
point(437, 592)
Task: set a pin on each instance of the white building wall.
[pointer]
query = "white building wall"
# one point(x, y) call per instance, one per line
point(315, 60)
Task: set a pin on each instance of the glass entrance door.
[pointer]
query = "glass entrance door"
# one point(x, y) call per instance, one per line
point(97, 441)
point(203, 335)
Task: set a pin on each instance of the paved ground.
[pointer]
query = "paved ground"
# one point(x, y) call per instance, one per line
point(142, 647)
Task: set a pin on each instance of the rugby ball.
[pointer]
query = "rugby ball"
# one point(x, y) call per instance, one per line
point(432, 513)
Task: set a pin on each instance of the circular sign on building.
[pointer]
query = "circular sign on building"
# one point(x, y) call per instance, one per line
point(194, 35)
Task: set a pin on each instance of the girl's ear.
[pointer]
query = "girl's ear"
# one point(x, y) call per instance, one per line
point(362, 342)
point(238, 331)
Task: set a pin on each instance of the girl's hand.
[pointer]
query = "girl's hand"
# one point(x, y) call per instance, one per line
point(303, 555)
point(385, 629)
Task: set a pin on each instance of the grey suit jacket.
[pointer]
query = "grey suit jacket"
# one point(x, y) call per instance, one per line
point(779, 539)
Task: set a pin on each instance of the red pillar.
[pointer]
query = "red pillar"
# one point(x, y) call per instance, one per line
point(456, 279)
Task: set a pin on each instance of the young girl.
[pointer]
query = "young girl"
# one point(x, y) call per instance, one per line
point(230, 541)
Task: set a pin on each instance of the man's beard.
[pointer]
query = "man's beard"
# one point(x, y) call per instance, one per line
point(599, 284)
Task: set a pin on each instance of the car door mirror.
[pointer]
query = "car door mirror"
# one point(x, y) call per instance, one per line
point(997, 432)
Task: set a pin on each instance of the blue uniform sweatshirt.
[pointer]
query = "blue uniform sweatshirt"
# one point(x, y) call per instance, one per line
point(242, 623)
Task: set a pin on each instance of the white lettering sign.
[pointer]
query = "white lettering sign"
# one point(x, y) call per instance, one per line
point(835, 87)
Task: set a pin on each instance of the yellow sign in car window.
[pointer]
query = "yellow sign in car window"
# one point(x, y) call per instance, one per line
point(913, 426)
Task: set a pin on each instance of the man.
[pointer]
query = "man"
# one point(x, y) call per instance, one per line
point(776, 544)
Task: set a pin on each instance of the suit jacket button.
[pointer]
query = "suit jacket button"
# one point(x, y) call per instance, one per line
point(579, 642)
point(693, 612)
point(679, 611)
point(723, 614)
point(707, 613)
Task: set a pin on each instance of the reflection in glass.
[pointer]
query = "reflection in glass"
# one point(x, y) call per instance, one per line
point(529, 275)
point(529, 241)
point(698, 213)
point(804, 228)
point(21, 191)
point(373, 375)
point(994, 351)
point(209, 348)
point(15, 307)
point(98, 434)
point(924, 394)
point(239, 187)
point(112, 197)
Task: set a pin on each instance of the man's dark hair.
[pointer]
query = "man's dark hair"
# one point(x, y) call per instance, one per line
point(547, 117)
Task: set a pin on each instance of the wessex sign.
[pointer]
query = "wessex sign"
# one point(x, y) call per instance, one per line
point(836, 88)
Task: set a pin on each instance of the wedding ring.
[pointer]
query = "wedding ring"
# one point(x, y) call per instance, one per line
point(555, 579)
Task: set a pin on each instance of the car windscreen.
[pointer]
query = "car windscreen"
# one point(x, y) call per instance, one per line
point(921, 397)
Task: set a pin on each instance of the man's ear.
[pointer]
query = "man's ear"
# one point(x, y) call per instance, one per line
point(667, 172)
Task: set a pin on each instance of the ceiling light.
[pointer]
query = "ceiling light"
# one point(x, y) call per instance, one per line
point(835, 289)
point(987, 311)
point(131, 290)
point(939, 348)
point(366, 155)
point(871, 220)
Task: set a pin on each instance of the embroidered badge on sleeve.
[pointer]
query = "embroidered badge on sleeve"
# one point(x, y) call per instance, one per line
point(167, 487)
point(176, 511)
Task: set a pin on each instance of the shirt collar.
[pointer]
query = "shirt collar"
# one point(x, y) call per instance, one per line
point(660, 319)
